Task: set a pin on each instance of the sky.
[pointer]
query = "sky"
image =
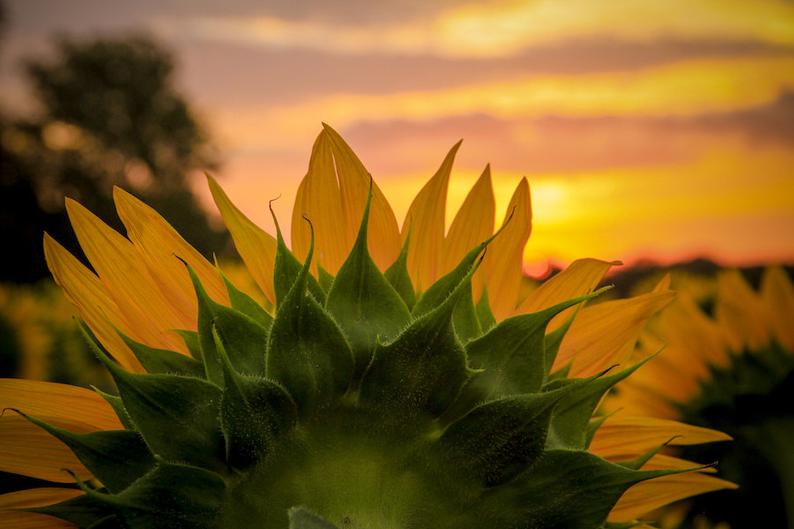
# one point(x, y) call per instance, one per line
point(653, 129)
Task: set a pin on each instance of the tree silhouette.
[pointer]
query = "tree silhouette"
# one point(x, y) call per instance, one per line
point(108, 114)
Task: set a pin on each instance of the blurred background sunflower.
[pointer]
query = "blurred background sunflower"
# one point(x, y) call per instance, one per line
point(655, 133)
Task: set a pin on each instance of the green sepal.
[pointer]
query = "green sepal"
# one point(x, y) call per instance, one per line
point(484, 314)
point(303, 518)
point(287, 269)
point(362, 301)
point(594, 424)
point(254, 412)
point(163, 360)
point(118, 408)
point(245, 338)
point(464, 318)
point(498, 440)
point(569, 425)
point(83, 511)
point(564, 489)
point(439, 291)
point(306, 350)
point(397, 276)
point(639, 461)
point(512, 353)
point(424, 368)
point(192, 342)
point(160, 405)
point(246, 304)
point(115, 457)
point(170, 496)
point(325, 279)
point(551, 345)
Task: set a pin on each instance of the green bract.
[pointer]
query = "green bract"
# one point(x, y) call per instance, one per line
point(349, 409)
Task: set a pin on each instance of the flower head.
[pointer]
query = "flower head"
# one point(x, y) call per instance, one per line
point(395, 378)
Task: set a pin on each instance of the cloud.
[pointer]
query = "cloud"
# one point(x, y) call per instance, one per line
point(498, 29)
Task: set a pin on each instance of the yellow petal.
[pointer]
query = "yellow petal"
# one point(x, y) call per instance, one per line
point(320, 200)
point(580, 278)
point(740, 312)
point(28, 450)
point(778, 295)
point(84, 289)
point(161, 247)
point(50, 399)
point(354, 185)
point(503, 263)
point(650, 495)
point(425, 224)
point(603, 335)
point(627, 437)
point(473, 223)
point(127, 280)
point(667, 462)
point(26, 499)
point(256, 247)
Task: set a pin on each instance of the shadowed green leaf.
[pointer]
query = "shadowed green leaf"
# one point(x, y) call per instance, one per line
point(115, 457)
point(246, 304)
point(287, 269)
point(512, 353)
point(484, 314)
point(424, 368)
point(150, 502)
point(564, 489)
point(164, 361)
point(497, 440)
point(254, 412)
point(245, 338)
point(397, 276)
point(160, 404)
point(363, 302)
point(307, 352)
point(569, 424)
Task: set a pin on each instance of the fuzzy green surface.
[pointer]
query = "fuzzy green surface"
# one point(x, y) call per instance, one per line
point(352, 407)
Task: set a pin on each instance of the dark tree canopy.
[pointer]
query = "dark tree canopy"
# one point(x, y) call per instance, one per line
point(108, 114)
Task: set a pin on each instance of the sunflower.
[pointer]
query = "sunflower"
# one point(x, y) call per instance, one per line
point(392, 378)
point(728, 364)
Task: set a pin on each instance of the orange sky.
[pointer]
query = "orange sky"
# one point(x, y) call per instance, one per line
point(653, 128)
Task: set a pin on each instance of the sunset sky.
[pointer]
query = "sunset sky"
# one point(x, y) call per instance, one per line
point(656, 129)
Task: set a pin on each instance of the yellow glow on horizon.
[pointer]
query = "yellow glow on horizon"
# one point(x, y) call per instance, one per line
point(627, 213)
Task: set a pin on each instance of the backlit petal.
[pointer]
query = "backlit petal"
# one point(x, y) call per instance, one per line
point(628, 437)
point(778, 295)
point(473, 223)
point(128, 281)
point(161, 247)
point(425, 224)
point(740, 312)
point(503, 263)
point(95, 306)
point(256, 247)
point(40, 497)
point(604, 334)
point(650, 495)
point(28, 450)
point(320, 200)
point(354, 185)
point(50, 399)
point(581, 277)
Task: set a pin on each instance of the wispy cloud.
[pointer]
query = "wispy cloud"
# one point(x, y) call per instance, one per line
point(498, 29)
